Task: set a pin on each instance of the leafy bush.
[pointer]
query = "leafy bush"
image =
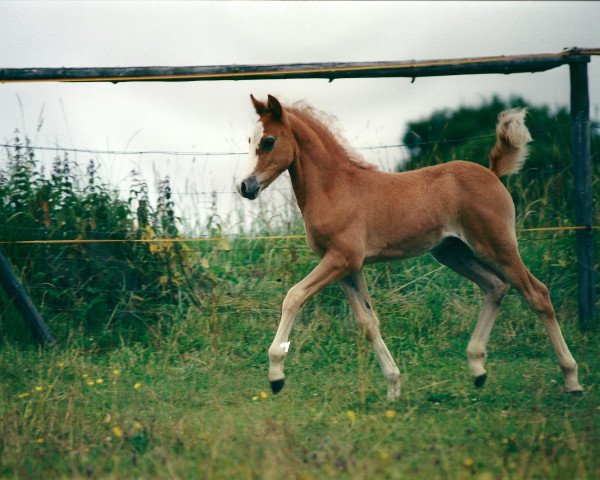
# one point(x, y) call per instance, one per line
point(105, 288)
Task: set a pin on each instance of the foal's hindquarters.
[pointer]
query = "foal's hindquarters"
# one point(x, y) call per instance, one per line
point(484, 249)
point(464, 216)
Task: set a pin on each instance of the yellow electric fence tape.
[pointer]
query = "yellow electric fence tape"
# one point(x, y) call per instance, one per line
point(220, 239)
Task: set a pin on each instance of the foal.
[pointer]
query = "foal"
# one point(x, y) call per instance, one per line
point(354, 215)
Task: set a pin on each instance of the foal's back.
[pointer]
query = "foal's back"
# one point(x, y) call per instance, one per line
point(409, 213)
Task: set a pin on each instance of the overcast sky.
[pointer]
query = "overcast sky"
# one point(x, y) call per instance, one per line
point(218, 117)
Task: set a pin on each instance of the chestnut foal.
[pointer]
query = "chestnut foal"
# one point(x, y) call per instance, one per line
point(354, 215)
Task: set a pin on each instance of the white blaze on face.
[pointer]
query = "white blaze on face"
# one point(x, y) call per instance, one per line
point(247, 168)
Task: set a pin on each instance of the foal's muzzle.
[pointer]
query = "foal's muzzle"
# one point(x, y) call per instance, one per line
point(249, 188)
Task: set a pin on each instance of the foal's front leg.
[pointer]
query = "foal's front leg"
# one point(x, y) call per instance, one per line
point(332, 267)
point(356, 289)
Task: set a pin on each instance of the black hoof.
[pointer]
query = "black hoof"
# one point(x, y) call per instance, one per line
point(277, 385)
point(480, 380)
point(575, 393)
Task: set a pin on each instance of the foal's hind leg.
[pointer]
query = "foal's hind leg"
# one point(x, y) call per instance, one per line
point(355, 287)
point(459, 257)
point(536, 295)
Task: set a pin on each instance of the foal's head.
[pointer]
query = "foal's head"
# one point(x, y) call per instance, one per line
point(272, 148)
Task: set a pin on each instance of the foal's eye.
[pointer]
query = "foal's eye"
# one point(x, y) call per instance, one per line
point(268, 143)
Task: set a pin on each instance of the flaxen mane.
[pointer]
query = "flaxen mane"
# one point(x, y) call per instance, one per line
point(326, 126)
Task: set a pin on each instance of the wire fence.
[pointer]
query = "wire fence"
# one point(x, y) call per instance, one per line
point(215, 192)
point(58, 148)
point(246, 247)
point(81, 241)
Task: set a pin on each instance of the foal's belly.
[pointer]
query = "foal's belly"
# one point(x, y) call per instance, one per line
point(405, 248)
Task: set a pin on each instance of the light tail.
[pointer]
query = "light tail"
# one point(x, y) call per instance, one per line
point(510, 151)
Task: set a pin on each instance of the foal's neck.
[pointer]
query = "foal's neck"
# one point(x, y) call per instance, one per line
point(319, 165)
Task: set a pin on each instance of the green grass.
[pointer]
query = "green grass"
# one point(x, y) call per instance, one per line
point(197, 411)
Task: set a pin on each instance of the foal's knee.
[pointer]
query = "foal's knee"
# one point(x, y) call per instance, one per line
point(293, 300)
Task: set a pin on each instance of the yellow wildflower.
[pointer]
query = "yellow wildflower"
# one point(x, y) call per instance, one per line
point(390, 414)
point(61, 364)
point(85, 375)
point(137, 425)
point(117, 431)
point(264, 394)
point(255, 398)
point(224, 245)
point(39, 440)
point(351, 415)
point(116, 372)
point(23, 395)
point(485, 476)
point(90, 382)
point(99, 381)
point(383, 455)
point(137, 385)
point(468, 462)
point(39, 388)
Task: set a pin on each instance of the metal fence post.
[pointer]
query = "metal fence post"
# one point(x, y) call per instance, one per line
point(582, 175)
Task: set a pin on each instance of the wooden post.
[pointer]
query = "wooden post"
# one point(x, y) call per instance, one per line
point(582, 175)
point(15, 291)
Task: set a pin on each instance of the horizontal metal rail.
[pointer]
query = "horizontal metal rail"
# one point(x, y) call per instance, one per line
point(331, 71)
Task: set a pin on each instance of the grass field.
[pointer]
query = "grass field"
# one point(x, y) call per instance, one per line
point(188, 397)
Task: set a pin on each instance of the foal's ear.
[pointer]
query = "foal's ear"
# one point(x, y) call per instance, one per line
point(275, 108)
point(260, 107)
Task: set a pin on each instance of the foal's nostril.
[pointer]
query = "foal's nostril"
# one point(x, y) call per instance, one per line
point(249, 188)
